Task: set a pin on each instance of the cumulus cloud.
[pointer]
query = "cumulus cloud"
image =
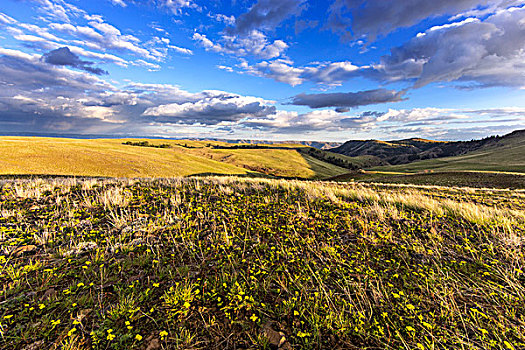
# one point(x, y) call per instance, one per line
point(96, 40)
point(46, 41)
point(72, 101)
point(435, 123)
point(229, 20)
point(255, 44)
point(477, 52)
point(348, 99)
point(450, 117)
point(427, 114)
point(176, 6)
point(53, 97)
point(38, 96)
point(64, 57)
point(284, 70)
point(299, 123)
point(247, 35)
point(280, 70)
point(219, 108)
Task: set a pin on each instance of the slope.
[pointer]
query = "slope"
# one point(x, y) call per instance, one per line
point(506, 154)
point(110, 157)
point(410, 150)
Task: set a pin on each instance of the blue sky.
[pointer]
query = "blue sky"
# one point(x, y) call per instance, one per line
point(268, 69)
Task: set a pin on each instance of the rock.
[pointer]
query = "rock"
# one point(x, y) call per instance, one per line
point(50, 293)
point(35, 346)
point(82, 248)
point(85, 247)
point(276, 338)
point(27, 249)
point(83, 313)
point(152, 343)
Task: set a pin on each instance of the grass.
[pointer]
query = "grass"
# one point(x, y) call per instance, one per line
point(483, 179)
point(111, 158)
point(276, 162)
point(227, 263)
point(507, 156)
point(28, 155)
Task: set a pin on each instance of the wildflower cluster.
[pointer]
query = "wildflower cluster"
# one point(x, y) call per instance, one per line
point(233, 263)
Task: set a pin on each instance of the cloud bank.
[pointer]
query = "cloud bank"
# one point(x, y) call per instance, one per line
point(348, 99)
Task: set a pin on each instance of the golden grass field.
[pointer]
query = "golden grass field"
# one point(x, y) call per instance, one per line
point(110, 158)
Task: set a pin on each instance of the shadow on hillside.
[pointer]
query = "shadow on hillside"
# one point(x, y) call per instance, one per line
point(445, 178)
point(324, 164)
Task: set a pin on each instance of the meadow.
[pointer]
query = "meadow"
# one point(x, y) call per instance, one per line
point(241, 263)
point(161, 158)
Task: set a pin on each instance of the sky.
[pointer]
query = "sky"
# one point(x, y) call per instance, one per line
point(331, 70)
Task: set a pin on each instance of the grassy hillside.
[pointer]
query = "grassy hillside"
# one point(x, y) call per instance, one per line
point(275, 161)
point(99, 157)
point(351, 163)
point(411, 150)
point(507, 155)
point(225, 263)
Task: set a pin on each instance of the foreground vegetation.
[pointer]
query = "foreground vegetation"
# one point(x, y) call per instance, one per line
point(202, 263)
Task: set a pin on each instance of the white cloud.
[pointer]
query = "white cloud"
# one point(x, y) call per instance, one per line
point(40, 97)
point(5, 19)
point(218, 108)
point(477, 53)
point(119, 3)
point(283, 70)
point(322, 120)
point(228, 20)
point(102, 36)
point(279, 70)
point(418, 114)
point(254, 44)
point(181, 50)
point(176, 6)
point(59, 10)
point(17, 54)
point(150, 66)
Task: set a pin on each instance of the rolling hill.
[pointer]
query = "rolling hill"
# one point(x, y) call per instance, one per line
point(410, 150)
point(491, 162)
point(499, 154)
point(112, 158)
